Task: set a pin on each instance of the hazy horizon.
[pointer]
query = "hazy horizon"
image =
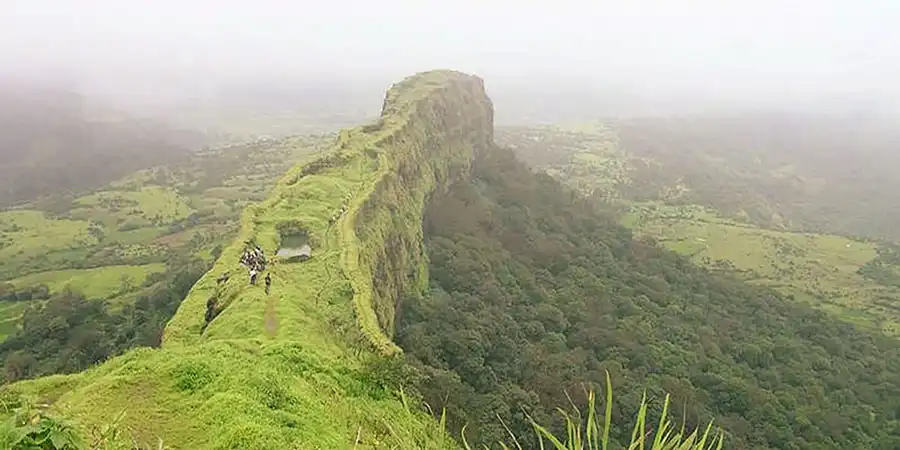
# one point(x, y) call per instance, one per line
point(645, 54)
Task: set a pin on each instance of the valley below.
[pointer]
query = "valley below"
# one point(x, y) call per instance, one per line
point(711, 207)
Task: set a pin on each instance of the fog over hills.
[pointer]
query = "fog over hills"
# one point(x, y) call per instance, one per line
point(607, 58)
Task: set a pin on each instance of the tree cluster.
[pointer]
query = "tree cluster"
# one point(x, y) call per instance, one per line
point(885, 267)
point(9, 292)
point(68, 333)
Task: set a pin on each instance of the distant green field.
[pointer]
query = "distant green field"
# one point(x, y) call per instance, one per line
point(820, 269)
point(101, 282)
point(145, 207)
point(109, 282)
point(24, 233)
point(10, 312)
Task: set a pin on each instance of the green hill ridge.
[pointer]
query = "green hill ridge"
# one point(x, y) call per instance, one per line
point(298, 368)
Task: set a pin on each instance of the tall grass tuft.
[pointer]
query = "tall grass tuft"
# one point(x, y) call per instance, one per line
point(592, 433)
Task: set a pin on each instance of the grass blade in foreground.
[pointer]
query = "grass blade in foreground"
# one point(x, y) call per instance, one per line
point(664, 439)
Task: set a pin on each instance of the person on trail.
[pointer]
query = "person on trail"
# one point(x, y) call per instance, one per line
point(253, 276)
point(211, 305)
point(268, 282)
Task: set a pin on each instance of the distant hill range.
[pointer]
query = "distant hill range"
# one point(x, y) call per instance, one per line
point(828, 172)
point(51, 141)
point(831, 173)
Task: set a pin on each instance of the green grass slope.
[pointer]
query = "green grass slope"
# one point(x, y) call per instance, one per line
point(10, 313)
point(25, 233)
point(107, 242)
point(99, 282)
point(820, 269)
point(299, 368)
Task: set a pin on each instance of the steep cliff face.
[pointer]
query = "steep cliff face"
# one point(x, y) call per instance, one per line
point(437, 124)
point(290, 369)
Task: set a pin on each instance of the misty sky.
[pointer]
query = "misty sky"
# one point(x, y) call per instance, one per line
point(719, 45)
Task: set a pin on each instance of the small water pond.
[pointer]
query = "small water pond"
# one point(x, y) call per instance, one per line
point(294, 248)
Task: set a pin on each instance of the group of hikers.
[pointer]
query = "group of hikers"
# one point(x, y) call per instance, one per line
point(255, 261)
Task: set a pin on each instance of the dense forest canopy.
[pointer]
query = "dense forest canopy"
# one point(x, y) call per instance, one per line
point(535, 292)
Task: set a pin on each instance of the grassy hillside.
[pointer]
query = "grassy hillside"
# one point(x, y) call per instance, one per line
point(10, 313)
point(99, 282)
point(106, 243)
point(300, 368)
point(718, 204)
point(820, 269)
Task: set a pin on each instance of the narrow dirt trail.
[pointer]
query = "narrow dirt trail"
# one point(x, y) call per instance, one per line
point(271, 319)
point(269, 315)
point(327, 270)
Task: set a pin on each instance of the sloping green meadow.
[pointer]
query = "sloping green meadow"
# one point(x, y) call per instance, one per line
point(100, 282)
point(293, 369)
